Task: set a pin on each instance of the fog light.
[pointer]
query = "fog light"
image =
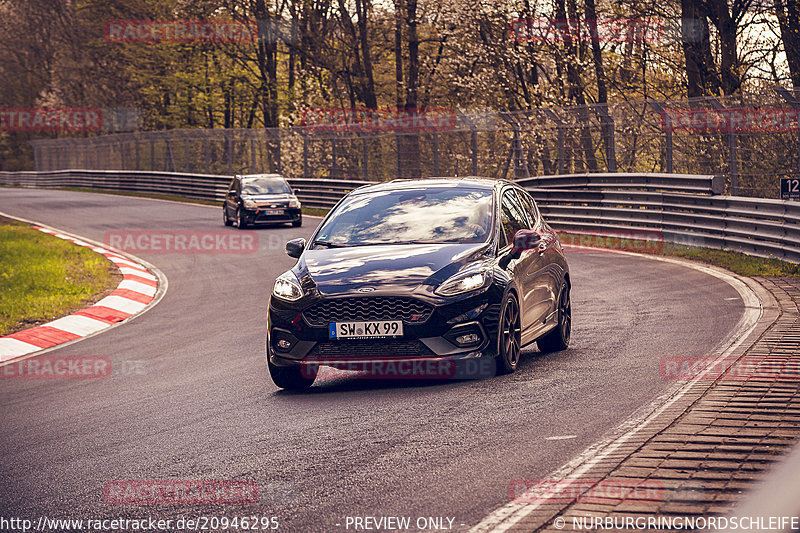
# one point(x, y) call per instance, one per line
point(469, 338)
point(283, 344)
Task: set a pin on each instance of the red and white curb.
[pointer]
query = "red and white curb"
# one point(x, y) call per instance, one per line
point(138, 290)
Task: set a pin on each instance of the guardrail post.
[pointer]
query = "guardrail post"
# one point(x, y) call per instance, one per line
point(667, 135)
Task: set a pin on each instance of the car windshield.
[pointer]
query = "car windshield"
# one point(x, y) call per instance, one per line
point(432, 215)
point(265, 186)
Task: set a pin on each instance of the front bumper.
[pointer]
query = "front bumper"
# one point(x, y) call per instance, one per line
point(257, 216)
point(293, 340)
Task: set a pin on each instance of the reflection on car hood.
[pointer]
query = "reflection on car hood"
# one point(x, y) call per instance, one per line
point(385, 267)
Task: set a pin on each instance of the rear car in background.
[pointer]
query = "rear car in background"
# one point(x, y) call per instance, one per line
point(440, 270)
point(261, 199)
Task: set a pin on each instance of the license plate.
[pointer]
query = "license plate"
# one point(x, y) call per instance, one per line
point(273, 212)
point(365, 330)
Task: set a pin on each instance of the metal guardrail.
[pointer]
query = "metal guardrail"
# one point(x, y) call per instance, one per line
point(681, 208)
point(667, 182)
point(319, 193)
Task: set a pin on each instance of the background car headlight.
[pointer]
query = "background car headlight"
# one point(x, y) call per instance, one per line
point(287, 288)
point(463, 283)
point(249, 203)
point(294, 202)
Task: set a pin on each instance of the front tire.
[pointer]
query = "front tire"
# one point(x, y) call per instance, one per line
point(292, 377)
point(558, 339)
point(509, 336)
point(297, 223)
point(225, 218)
point(241, 222)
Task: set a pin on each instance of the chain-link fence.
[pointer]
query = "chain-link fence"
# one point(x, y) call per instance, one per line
point(751, 139)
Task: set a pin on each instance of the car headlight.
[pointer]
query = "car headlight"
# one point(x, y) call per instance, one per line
point(463, 282)
point(249, 203)
point(294, 202)
point(287, 288)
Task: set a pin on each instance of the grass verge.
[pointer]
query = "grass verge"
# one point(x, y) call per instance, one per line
point(737, 262)
point(43, 277)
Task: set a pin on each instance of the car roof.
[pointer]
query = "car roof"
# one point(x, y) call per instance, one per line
point(466, 182)
point(249, 176)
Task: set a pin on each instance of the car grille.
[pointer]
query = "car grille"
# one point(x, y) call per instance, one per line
point(354, 349)
point(380, 308)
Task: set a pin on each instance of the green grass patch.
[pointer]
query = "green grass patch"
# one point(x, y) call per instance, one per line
point(737, 262)
point(43, 277)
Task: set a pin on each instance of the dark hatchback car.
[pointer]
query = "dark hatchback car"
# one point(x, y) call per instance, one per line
point(260, 199)
point(442, 269)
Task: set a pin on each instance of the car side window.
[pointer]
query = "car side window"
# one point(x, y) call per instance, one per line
point(512, 216)
point(530, 207)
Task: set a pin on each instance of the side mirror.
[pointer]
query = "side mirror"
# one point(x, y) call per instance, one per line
point(524, 239)
point(295, 247)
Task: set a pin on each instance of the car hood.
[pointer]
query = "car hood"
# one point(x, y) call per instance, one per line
point(385, 268)
point(267, 197)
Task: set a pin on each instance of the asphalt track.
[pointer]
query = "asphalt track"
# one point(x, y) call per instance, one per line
point(201, 405)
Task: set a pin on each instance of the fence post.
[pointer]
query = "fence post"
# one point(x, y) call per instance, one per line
point(186, 152)
point(365, 157)
point(473, 142)
point(609, 134)
point(435, 154)
point(252, 152)
point(334, 162)
point(561, 126)
point(136, 148)
point(228, 149)
point(733, 163)
point(667, 134)
point(792, 101)
point(305, 154)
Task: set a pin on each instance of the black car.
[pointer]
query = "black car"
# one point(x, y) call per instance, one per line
point(442, 269)
point(260, 199)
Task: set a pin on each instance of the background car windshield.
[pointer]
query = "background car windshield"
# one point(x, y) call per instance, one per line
point(265, 186)
point(411, 216)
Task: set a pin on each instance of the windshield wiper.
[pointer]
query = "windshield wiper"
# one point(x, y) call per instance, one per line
point(330, 244)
